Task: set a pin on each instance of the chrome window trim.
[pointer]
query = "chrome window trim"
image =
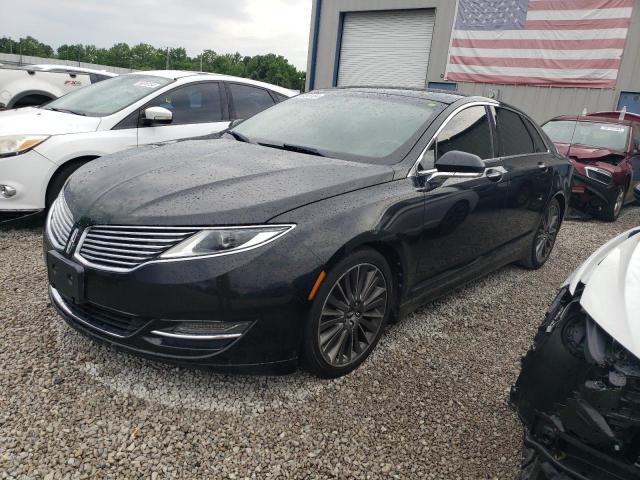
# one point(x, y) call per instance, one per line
point(76, 255)
point(413, 172)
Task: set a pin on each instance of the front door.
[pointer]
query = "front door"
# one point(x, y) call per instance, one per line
point(198, 109)
point(462, 213)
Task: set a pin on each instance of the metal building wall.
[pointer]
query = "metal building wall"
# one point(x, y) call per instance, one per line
point(541, 103)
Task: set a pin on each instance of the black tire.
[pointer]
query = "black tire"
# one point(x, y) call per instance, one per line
point(352, 328)
point(61, 176)
point(611, 211)
point(533, 258)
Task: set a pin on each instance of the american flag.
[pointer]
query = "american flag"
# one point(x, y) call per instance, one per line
point(539, 42)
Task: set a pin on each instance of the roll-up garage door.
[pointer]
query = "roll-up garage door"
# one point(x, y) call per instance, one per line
point(386, 48)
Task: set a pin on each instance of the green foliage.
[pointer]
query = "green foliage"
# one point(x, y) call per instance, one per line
point(266, 68)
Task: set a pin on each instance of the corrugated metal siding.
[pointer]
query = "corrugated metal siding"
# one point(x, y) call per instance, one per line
point(386, 48)
point(541, 103)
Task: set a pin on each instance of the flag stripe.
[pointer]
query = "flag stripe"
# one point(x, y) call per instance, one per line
point(591, 54)
point(609, 63)
point(577, 24)
point(597, 73)
point(504, 79)
point(599, 14)
point(535, 5)
point(607, 33)
point(540, 44)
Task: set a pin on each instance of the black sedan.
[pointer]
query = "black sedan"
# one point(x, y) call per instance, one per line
point(298, 235)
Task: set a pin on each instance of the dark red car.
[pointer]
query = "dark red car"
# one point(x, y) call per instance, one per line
point(604, 148)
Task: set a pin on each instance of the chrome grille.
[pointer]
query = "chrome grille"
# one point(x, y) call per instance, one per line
point(59, 223)
point(124, 248)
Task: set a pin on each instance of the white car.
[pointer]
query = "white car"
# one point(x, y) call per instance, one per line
point(32, 85)
point(41, 147)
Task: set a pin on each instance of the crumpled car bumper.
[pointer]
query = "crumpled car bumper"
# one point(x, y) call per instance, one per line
point(578, 395)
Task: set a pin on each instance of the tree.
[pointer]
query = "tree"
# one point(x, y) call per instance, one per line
point(269, 68)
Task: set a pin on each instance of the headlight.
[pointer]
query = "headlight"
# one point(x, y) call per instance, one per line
point(222, 241)
point(599, 175)
point(16, 144)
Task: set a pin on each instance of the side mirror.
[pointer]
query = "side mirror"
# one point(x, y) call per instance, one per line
point(158, 115)
point(236, 122)
point(456, 161)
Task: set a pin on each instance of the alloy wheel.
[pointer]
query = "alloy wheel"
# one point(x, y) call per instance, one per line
point(547, 233)
point(352, 315)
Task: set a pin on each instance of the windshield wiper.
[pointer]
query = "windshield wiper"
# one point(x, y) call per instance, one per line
point(64, 110)
point(294, 148)
point(240, 137)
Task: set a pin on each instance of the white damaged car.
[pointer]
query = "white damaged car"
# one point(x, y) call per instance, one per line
point(578, 393)
point(40, 147)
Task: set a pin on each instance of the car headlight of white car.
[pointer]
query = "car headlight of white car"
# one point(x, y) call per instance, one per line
point(11, 145)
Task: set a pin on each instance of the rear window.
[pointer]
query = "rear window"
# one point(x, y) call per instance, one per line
point(590, 134)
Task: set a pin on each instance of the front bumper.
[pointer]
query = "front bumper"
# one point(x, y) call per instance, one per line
point(29, 173)
point(263, 291)
point(589, 194)
point(580, 406)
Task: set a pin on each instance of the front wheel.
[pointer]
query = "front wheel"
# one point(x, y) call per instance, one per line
point(612, 211)
point(349, 314)
point(545, 237)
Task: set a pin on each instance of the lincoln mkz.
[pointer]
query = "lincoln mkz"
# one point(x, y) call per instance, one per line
point(299, 234)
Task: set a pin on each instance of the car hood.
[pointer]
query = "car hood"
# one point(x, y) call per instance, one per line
point(209, 182)
point(612, 288)
point(39, 121)
point(589, 155)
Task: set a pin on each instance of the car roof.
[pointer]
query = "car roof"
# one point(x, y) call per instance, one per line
point(630, 119)
point(182, 74)
point(443, 96)
point(67, 68)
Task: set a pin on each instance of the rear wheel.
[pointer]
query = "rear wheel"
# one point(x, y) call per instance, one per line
point(348, 315)
point(612, 211)
point(545, 237)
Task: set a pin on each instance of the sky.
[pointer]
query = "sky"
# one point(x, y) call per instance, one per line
point(227, 26)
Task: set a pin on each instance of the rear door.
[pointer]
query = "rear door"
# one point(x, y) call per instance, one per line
point(198, 109)
point(463, 213)
point(529, 169)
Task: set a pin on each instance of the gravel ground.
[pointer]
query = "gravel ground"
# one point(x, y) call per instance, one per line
point(430, 403)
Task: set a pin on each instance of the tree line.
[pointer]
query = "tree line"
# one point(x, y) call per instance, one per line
point(269, 68)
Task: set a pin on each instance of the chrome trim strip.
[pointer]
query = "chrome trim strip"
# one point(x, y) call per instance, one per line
point(414, 170)
point(289, 227)
point(221, 336)
point(59, 301)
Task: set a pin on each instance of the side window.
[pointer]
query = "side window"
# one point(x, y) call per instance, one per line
point(514, 136)
point(249, 100)
point(197, 103)
point(538, 142)
point(469, 131)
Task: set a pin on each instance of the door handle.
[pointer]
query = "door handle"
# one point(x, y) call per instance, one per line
point(494, 174)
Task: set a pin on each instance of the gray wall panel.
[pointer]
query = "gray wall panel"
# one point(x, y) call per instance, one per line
point(541, 103)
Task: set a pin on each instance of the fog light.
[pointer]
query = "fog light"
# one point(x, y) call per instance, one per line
point(204, 330)
point(7, 191)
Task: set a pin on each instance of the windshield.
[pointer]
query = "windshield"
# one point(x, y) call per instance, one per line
point(343, 124)
point(109, 96)
point(590, 134)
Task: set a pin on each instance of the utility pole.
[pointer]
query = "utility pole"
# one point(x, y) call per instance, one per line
point(167, 67)
point(201, 62)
